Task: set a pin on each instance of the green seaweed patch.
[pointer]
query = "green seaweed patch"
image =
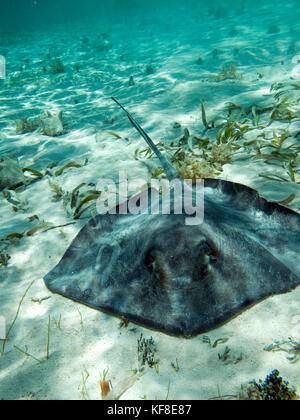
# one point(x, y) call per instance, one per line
point(75, 194)
point(112, 133)
point(144, 153)
point(207, 125)
point(13, 236)
point(158, 173)
point(232, 107)
point(283, 112)
point(79, 211)
point(282, 152)
point(70, 199)
point(33, 172)
point(232, 131)
point(280, 178)
point(288, 200)
point(66, 166)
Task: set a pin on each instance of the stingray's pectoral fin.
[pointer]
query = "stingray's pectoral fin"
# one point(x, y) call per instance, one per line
point(74, 276)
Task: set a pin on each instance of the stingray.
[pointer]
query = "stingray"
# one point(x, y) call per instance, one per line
point(157, 271)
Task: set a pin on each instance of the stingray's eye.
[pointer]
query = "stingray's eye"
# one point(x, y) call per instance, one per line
point(150, 260)
point(205, 249)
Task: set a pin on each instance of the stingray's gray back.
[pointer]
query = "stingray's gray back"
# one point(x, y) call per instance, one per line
point(106, 267)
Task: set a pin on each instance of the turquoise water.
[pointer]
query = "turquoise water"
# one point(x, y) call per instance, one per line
point(187, 71)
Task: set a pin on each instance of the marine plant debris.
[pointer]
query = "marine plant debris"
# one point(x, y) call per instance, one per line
point(273, 388)
point(78, 201)
point(14, 320)
point(57, 67)
point(289, 346)
point(228, 72)
point(147, 350)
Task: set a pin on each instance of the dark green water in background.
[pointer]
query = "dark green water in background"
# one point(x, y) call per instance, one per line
point(18, 14)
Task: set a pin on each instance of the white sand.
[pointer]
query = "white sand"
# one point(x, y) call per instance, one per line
point(87, 340)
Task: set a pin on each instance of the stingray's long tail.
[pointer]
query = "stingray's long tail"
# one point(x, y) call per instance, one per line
point(168, 168)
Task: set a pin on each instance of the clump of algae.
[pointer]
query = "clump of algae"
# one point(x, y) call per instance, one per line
point(273, 388)
point(194, 169)
point(220, 154)
point(228, 72)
